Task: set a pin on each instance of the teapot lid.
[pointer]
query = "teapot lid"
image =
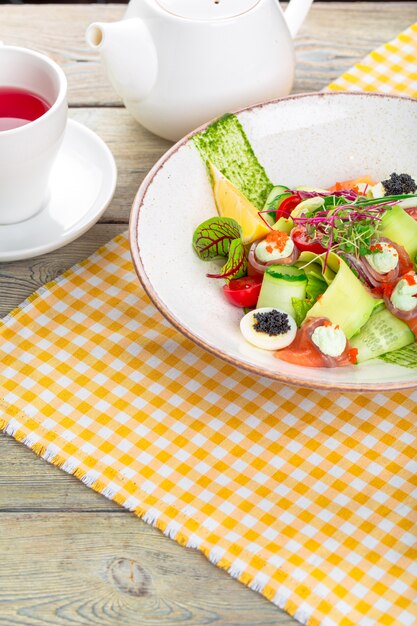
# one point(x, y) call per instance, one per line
point(207, 9)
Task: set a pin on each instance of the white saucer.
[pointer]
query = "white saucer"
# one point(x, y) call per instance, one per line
point(82, 183)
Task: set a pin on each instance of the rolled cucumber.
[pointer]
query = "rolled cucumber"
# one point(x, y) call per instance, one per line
point(382, 333)
point(275, 198)
point(282, 283)
point(346, 301)
point(401, 228)
point(308, 260)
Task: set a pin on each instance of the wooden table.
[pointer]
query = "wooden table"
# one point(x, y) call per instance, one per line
point(67, 555)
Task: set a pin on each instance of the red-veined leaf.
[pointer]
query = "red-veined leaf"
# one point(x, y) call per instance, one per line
point(237, 262)
point(212, 239)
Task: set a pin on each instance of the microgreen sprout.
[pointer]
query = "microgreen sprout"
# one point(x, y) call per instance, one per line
point(347, 222)
point(351, 225)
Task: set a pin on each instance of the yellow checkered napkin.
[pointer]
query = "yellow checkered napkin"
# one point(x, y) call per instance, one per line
point(307, 497)
point(392, 68)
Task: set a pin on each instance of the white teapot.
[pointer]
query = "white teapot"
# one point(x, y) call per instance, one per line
point(179, 63)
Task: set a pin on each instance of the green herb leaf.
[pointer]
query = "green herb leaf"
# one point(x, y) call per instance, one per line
point(212, 239)
point(301, 308)
point(248, 309)
point(333, 201)
point(316, 285)
point(237, 263)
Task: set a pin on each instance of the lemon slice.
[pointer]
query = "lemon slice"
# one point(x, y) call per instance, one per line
point(232, 203)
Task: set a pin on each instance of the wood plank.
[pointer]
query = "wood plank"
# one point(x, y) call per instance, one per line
point(336, 36)
point(134, 148)
point(19, 279)
point(59, 31)
point(81, 559)
point(111, 570)
point(135, 151)
point(332, 38)
point(28, 483)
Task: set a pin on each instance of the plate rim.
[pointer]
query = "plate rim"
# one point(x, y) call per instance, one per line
point(147, 285)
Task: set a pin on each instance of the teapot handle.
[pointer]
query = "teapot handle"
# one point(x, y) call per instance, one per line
point(296, 13)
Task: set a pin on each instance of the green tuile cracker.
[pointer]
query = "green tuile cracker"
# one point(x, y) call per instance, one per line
point(406, 357)
point(225, 145)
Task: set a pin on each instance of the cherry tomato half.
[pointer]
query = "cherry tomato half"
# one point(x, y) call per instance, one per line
point(287, 206)
point(243, 292)
point(304, 242)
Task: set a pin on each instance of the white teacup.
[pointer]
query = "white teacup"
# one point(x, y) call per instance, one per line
point(27, 152)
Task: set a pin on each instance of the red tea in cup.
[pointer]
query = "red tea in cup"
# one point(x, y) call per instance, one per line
point(19, 107)
point(33, 118)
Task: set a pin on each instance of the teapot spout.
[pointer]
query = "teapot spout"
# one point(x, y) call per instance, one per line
point(128, 53)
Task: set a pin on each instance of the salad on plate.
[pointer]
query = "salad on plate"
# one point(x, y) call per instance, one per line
point(325, 277)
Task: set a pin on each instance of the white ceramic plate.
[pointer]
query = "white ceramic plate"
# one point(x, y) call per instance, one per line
point(312, 139)
point(81, 185)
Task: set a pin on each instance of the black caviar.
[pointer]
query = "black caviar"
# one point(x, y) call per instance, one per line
point(398, 184)
point(272, 323)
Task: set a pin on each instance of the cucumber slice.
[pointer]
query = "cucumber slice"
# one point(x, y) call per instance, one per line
point(277, 191)
point(288, 273)
point(282, 283)
point(382, 333)
point(275, 198)
point(401, 228)
point(285, 224)
point(307, 205)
